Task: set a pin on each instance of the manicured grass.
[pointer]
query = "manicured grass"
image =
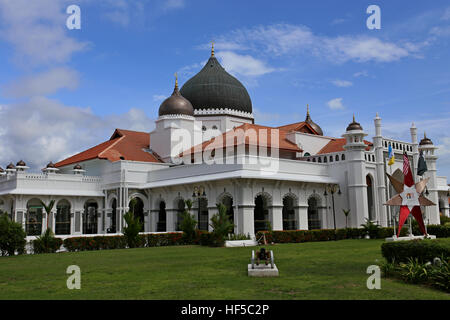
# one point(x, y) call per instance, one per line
point(314, 270)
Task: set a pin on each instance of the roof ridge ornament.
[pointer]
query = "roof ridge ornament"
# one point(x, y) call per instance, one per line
point(212, 48)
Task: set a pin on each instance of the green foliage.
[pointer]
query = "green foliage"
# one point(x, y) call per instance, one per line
point(46, 243)
point(232, 236)
point(131, 231)
point(444, 220)
point(346, 213)
point(423, 250)
point(221, 225)
point(388, 268)
point(12, 236)
point(188, 223)
point(48, 208)
point(440, 276)
point(414, 271)
point(370, 228)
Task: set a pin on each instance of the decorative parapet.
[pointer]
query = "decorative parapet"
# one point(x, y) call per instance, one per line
point(223, 111)
point(175, 116)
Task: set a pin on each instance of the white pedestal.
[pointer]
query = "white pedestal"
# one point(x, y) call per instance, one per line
point(240, 243)
point(262, 270)
point(395, 238)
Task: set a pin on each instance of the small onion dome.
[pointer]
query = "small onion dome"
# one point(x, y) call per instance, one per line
point(176, 104)
point(77, 167)
point(354, 125)
point(425, 140)
point(10, 166)
point(51, 165)
point(314, 125)
point(21, 163)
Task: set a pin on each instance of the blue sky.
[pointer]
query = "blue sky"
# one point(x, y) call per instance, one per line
point(64, 90)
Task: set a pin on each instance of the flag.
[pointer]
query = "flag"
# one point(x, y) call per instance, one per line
point(422, 165)
point(391, 156)
point(409, 181)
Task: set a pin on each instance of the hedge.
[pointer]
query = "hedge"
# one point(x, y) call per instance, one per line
point(40, 246)
point(119, 242)
point(296, 236)
point(423, 250)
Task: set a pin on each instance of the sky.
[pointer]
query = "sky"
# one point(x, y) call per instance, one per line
point(63, 91)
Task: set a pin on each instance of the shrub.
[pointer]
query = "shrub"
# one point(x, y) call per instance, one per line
point(188, 223)
point(131, 231)
point(221, 224)
point(423, 250)
point(371, 229)
point(12, 236)
point(414, 271)
point(94, 243)
point(444, 220)
point(440, 276)
point(46, 243)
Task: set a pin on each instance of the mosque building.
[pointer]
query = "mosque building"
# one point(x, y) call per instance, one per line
point(207, 147)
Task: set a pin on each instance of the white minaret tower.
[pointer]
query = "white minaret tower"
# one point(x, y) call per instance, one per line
point(415, 148)
point(380, 179)
point(428, 149)
point(357, 187)
point(176, 129)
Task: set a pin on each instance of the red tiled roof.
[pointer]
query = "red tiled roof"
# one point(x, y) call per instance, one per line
point(337, 145)
point(230, 139)
point(303, 126)
point(123, 143)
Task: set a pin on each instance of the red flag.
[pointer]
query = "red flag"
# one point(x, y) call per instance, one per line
point(409, 181)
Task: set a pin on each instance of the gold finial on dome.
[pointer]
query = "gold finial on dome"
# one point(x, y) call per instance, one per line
point(307, 109)
point(354, 118)
point(212, 48)
point(176, 80)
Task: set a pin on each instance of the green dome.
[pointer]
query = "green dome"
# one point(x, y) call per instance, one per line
point(214, 88)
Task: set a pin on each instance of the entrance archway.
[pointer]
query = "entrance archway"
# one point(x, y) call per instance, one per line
point(90, 217)
point(314, 221)
point(289, 222)
point(33, 226)
point(261, 213)
point(136, 206)
point(62, 219)
point(161, 226)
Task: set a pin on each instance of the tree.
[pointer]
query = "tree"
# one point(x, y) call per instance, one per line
point(346, 213)
point(134, 225)
point(12, 236)
point(48, 208)
point(188, 223)
point(221, 224)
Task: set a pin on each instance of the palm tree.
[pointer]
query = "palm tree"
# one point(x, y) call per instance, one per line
point(48, 208)
point(346, 212)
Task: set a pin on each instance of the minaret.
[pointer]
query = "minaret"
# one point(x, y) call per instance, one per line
point(428, 149)
point(380, 180)
point(415, 150)
point(356, 172)
point(175, 130)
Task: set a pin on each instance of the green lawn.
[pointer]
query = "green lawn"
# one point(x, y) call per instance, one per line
point(314, 270)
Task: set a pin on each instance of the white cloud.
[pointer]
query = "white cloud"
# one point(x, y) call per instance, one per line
point(446, 15)
point(159, 97)
point(243, 64)
point(174, 4)
point(342, 83)
point(441, 31)
point(42, 130)
point(335, 104)
point(37, 30)
point(44, 83)
point(363, 73)
point(287, 39)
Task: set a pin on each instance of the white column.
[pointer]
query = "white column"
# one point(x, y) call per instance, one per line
point(211, 211)
point(276, 217)
point(302, 217)
point(170, 220)
point(247, 220)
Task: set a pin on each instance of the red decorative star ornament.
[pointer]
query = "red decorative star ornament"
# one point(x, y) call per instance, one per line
point(409, 197)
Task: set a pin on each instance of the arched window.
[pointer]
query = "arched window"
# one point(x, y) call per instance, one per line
point(370, 200)
point(136, 206)
point(307, 154)
point(325, 159)
point(314, 159)
point(313, 214)
point(33, 226)
point(331, 158)
point(62, 221)
point(214, 127)
point(289, 222)
point(161, 226)
point(180, 205)
point(261, 213)
point(320, 160)
point(90, 217)
point(227, 201)
point(202, 213)
point(343, 157)
point(113, 225)
point(337, 157)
